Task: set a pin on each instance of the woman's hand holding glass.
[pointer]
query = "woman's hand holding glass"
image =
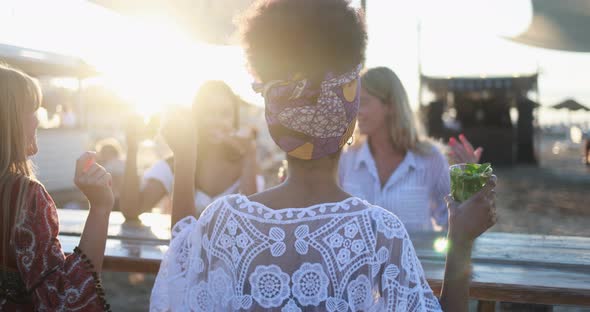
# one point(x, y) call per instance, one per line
point(471, 218)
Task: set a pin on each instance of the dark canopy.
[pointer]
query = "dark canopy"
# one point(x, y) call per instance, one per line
point(559, 25)
point(205, 20)
point(41, 63)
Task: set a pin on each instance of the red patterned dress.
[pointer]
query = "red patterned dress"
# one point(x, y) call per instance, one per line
point(38, 276)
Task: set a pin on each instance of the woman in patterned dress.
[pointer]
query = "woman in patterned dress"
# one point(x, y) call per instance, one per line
point(35, 274)
point(305, 245)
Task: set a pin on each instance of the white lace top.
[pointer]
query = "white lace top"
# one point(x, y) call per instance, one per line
point(243, 256)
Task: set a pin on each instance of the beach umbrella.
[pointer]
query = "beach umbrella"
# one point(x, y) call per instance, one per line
point(571, 105)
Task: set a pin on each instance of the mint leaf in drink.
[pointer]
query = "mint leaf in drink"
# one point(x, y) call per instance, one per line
point(484, 168)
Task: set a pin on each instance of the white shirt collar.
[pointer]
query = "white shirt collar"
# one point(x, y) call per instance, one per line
point(364, 156)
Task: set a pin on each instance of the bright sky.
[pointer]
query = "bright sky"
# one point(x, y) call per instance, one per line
point(152, 63)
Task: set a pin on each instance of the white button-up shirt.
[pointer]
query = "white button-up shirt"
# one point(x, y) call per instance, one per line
point(415, 191)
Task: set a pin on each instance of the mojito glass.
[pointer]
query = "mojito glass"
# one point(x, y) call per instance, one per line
point(468, 179)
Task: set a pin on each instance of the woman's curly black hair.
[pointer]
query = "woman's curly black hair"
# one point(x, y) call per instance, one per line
point(311, 37)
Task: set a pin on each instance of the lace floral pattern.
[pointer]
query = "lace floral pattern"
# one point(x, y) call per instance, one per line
point(337, 257)
point(221, 286)
point(270, 286)
point(199, 297)
point(310, 284)
point(347, 243)
point(359, 293)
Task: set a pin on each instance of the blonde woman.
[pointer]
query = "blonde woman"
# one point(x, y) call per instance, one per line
point(35, 275)
point(393, 165)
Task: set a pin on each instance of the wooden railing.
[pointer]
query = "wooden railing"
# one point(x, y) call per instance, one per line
point(551, 270)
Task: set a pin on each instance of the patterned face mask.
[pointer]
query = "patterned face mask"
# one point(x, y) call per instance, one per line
point(310, 123)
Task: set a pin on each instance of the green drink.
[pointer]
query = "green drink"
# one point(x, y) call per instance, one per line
point(468, 179)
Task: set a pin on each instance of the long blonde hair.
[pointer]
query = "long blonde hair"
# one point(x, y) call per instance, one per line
point(19, 94)
point(405, 131)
